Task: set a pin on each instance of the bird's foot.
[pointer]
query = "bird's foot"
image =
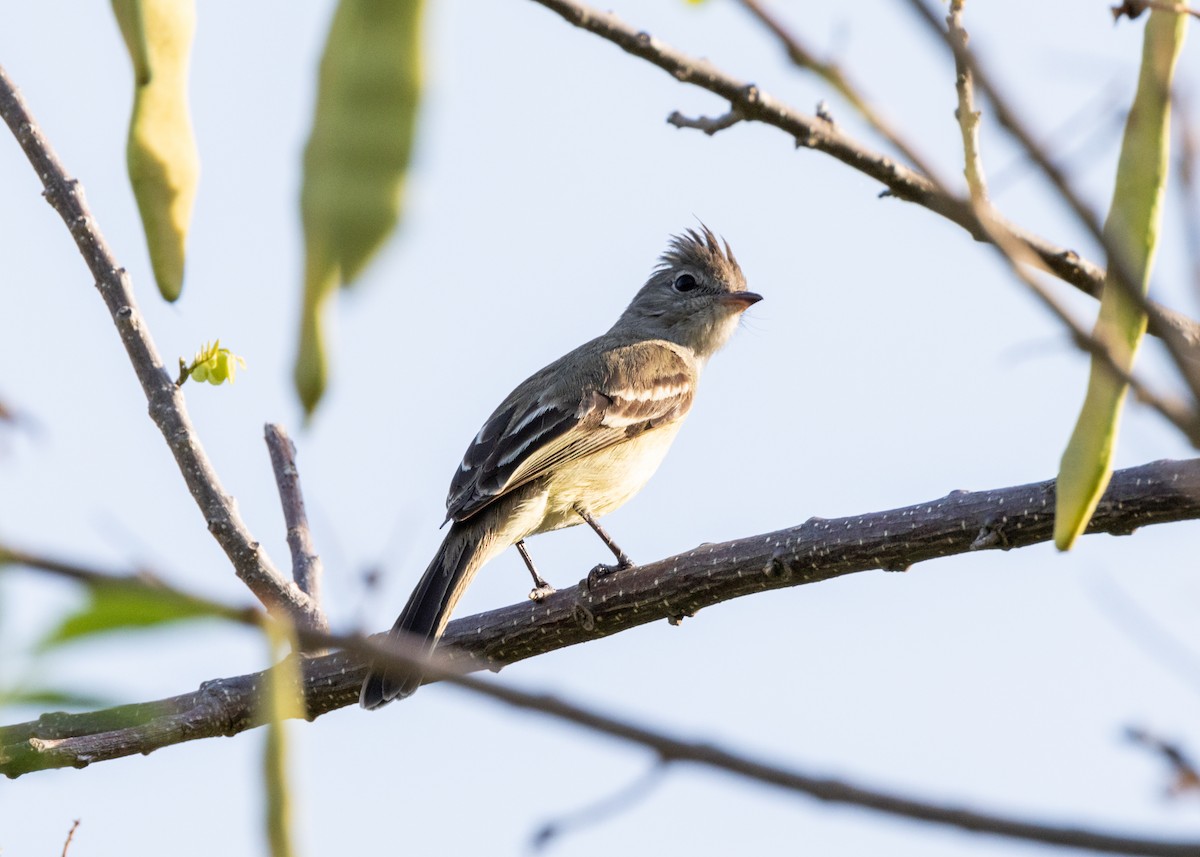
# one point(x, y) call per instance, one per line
point(601, 571)
point(541, 592)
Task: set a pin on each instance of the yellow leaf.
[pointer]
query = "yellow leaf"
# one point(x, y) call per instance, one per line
point(164, 166)
point(311, 371)
point(213, 364)
point(1132, 228)
point(281, 699)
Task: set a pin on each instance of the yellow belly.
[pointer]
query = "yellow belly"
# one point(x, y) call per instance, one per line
point(600, 482)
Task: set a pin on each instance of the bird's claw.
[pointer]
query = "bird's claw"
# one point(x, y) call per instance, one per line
point(541, 592)
point(601, 571)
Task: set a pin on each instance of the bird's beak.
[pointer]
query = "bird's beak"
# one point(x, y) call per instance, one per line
point(741, 301)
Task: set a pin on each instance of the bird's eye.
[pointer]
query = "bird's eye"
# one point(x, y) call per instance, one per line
point(684, 283)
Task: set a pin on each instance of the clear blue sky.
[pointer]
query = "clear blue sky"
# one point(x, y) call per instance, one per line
point(891, 361)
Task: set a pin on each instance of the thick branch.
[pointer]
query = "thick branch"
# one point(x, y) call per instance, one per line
point(752, 104)
point(672, 588)
point(167, 408)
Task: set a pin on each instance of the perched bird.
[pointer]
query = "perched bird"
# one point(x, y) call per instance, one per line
point(579, 438)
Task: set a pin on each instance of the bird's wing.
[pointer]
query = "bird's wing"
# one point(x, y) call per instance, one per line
point(630, 390)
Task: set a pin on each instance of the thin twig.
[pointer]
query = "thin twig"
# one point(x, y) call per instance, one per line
point(70, 836)
point(967, 115)
point(814, 133)
point(1134, 8)
point(1171, 652)
point(803, 57)
point(706, 124)
point(603, 810)
point(671, 749)
point(92, 576)
point(1188, 161)
point(1092, 125)
point(1186, 773)
point(167, 408)
point(306, 563)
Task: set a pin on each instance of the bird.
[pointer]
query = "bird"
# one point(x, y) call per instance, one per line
point(578, 438)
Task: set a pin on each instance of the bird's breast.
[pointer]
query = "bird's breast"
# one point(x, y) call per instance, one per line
point(605, 480)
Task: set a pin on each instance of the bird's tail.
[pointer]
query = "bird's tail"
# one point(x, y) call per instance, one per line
point(462, 553)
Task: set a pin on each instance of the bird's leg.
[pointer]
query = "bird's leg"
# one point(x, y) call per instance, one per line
point(541, 588)
point(602, 570)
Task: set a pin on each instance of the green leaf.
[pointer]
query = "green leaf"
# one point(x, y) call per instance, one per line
point(128, 604)
point(1132, 227)
point(356, 159)
point(213, 364)
point(51, 698)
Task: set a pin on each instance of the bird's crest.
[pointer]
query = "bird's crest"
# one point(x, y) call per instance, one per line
point(704, 250)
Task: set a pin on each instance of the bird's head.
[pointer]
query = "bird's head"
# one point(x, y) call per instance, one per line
point(695, 295)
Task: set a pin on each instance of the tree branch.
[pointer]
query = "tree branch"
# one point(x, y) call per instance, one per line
point(132, 722)
point(965, 113)
point(679, 586)
point(306, 563)
point(167, 408)
point(752, 104)
point(1185, 773)
point(1016, 254)
point(1182, 345)
point(829, 72)
point(1134, 8)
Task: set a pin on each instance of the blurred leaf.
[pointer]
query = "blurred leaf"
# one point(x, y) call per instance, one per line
point(125, 604)
point(1132, 227)
point(51, 698)
point(282, 699)
point(356, 159)
point(311, 372)
point(164, 166)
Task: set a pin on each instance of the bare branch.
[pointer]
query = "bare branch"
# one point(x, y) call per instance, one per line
point(1015, 252)
point(804, 58)
point(675, 587)
point(306, 563)
point(1188, 163)
point(1134, 8)
point(90, 576)
point(167, 408)
point(1183, 346)
point(704, 123)
point(1185, 772)
point(401, 654)
point(967, 115)
point(70, 836)
point(814, 133)
point(603, 810)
